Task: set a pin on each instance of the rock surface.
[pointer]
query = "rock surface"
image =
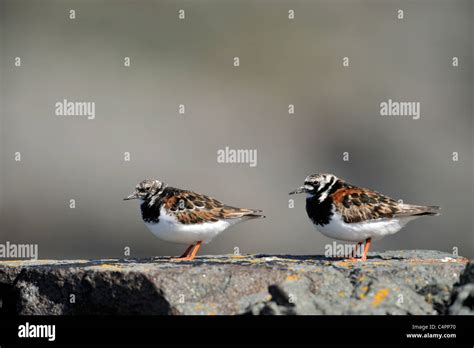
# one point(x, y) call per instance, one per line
point(394, 282)
point(462, 299)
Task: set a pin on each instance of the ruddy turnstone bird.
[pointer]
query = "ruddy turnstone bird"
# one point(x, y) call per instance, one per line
point(182, 216)
point(346, 212)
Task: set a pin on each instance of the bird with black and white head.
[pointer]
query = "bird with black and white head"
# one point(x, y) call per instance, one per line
point(346, 212)
point(183, 216)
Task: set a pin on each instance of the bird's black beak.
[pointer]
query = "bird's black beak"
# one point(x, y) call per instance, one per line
point(132, 196)
point(301, 189)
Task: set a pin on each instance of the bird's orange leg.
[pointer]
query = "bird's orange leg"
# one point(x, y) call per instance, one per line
point(195, 250)
point(368, 241)
point(186, 253)
point(190, 253)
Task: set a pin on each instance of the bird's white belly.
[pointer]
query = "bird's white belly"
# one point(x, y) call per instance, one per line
point(360, 231)
point(170, 230)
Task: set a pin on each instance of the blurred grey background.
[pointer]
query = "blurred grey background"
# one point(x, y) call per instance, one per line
point(190, 62)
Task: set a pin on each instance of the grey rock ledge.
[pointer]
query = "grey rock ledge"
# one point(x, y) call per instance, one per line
point(392, 282)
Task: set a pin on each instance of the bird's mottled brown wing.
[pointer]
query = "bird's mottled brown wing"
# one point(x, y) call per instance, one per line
point(360, 204)
point(193, 208)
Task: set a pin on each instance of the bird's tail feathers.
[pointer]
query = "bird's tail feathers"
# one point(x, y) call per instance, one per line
point(420, 210)
point(238, 213)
